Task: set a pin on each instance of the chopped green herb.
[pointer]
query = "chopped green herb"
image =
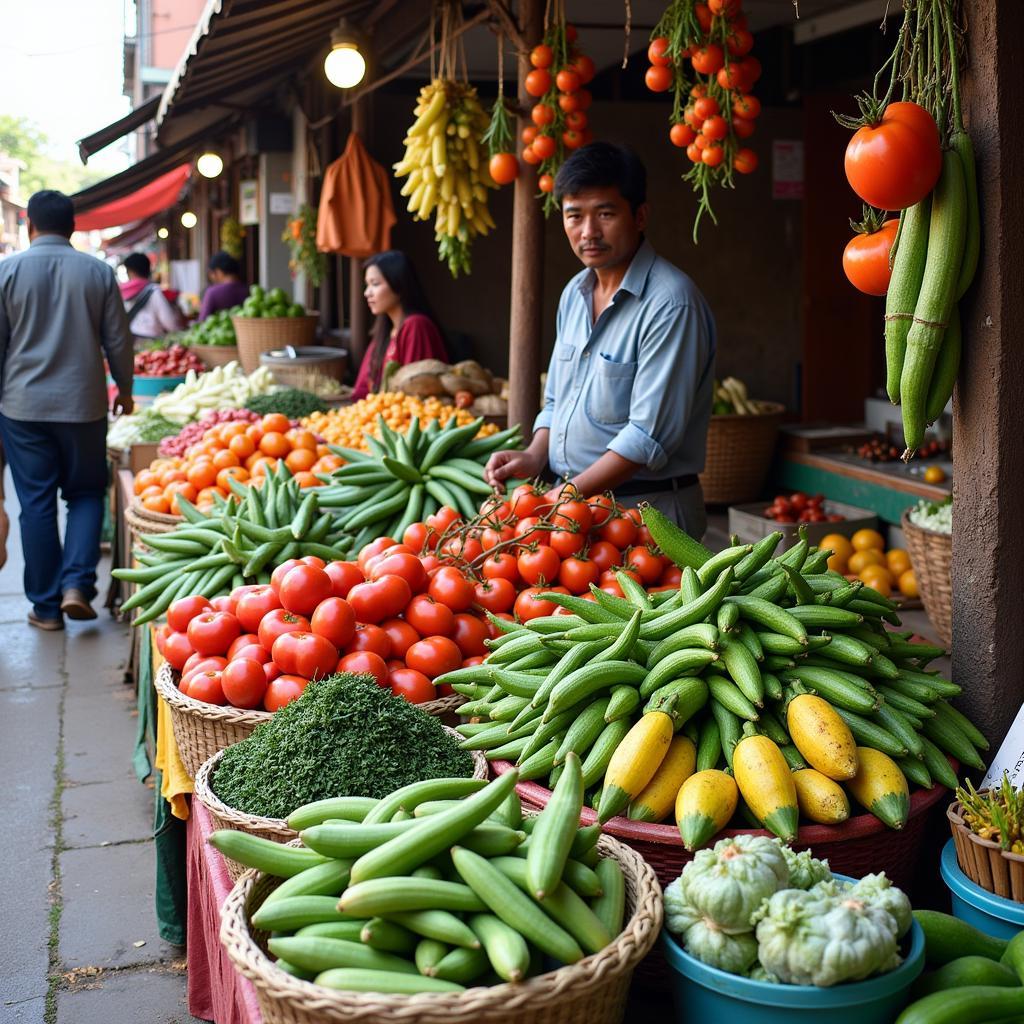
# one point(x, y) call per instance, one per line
point(345, 736)
point(292, 402)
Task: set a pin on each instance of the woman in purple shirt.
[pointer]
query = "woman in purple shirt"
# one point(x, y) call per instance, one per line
point(226, 287)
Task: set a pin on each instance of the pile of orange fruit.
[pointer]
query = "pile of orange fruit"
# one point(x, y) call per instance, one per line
point(863, 556)
point(346, 425)
point(242, 450)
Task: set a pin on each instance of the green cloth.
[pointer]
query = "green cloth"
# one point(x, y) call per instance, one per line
point(171, 896)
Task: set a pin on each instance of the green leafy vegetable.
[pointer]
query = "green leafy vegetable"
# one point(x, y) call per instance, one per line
point(292, 402)
point(345, 736)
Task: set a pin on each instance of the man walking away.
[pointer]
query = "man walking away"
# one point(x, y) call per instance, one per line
point(60, 314)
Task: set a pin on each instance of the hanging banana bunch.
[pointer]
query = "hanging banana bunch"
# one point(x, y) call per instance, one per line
point(445, 167)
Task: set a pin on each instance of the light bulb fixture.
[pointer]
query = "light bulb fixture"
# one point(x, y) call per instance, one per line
point(209, 165)
point(345, 65)
point(162, 232)
point(189, 219)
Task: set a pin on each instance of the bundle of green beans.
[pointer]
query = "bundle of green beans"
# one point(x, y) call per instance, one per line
point(241, 540)
point(441, 885)
point(723, 656)
point(407, 477)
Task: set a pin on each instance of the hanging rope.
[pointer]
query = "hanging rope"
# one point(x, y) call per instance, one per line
point(629, 25)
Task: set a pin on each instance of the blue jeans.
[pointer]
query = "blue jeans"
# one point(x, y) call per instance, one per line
point(45, 457)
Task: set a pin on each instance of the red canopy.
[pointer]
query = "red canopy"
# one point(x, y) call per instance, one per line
point(155, 197)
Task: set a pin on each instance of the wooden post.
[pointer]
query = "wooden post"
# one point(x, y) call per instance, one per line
point(988, 502)
point(357, 311)
point(524, 329)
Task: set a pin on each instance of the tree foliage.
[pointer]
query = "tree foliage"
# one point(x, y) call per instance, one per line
point(23, 139)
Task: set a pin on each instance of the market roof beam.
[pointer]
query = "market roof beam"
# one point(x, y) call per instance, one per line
point(117, 129)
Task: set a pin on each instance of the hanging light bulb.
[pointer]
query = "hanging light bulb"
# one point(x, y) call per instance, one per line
point(162, 232)
point(189, 220)
point(345, 65)
point(209, 165)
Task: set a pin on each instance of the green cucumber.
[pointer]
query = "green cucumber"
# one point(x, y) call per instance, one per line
point(948, 938)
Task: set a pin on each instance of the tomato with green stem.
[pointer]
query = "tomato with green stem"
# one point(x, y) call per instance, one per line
point(866, 256)
point(434, 656)
point(429, 616)
point(539, 565)
point(496, 595)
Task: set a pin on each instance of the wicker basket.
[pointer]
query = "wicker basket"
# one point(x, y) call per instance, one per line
point(592, 991)
point(739, 454)
point(201, 729)
point(856, 847)
point(216, 355)
point(274, 829)
point(141, 521)
point(984, 862)
point(930, 555)
point(257, 335)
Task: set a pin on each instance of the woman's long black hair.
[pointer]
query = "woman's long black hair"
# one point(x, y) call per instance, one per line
point(397, 269)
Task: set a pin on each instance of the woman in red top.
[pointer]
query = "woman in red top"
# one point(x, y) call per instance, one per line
point(405, 331)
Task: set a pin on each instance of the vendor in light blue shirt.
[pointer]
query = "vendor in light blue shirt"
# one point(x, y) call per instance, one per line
point(629, 387)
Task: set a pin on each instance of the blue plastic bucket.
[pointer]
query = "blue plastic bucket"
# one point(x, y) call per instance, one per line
point(994, 915)
point(703, 993)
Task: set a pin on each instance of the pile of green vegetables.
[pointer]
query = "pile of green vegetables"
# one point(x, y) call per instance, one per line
point(291, 402)
point(240, 541)
point(216, 330)
point(343, 735)
point(441, 885)
point(273, 303)
point(751, 906)
point(971, 977)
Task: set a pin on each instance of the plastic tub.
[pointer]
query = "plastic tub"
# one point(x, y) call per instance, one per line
point(994, 915)
point(703, 993)
point(146, 387)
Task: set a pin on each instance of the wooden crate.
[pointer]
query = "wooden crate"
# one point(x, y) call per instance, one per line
point(749, 523)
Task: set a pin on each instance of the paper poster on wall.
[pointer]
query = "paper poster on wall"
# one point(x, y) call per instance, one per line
point(787, 169)
point(282, 202)
point(249, 201)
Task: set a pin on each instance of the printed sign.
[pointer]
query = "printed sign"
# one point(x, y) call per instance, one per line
point(281, 202)
point(249, 201)
point(1009, 758)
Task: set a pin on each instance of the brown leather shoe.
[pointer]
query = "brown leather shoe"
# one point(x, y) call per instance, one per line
point(75, 605)
point(50, 625)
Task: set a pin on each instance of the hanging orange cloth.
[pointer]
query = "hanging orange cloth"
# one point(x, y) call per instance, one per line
point(356, 214)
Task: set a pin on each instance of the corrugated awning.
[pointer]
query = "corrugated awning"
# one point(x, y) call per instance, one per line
point(242, 50)
point(105, 136)
point(155, 196)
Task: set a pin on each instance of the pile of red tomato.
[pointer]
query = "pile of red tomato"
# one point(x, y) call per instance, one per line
point(712, 76)
point(560, 124)
point(406, 611)
point(800, 508)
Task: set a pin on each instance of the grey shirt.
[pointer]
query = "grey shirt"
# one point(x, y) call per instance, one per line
point(60, 313)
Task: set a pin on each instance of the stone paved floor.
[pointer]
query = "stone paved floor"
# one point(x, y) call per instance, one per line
point(78, 936)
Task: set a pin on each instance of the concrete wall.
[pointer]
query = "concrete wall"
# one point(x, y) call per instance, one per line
point(748, 267)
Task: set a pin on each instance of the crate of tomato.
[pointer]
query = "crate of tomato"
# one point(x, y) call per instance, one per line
point(787, 513)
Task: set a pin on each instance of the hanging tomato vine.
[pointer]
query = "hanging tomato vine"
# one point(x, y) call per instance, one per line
point(701, 53)
point(560, 121)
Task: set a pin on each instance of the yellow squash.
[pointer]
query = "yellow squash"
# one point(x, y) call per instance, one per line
point(658, 797)
point(822, 737)
point(881, 787)
point(766, 784)
point(634, 762)
point(820, 798)
point(705, 803)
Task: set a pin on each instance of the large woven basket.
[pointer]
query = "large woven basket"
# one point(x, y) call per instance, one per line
point(216, 355)
point(592, 991)
point(274, 829)
point(739, 454)
point(202, 729)
point(856, 847)
point(257, 335)
point(141, 521)
point(983, 861)
point(931, 554)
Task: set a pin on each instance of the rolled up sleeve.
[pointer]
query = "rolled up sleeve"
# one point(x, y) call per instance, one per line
point(671, 364)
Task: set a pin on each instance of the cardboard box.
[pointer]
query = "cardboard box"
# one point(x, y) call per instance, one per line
point(750, 524)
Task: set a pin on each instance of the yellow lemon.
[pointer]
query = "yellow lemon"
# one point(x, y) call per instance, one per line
point(860, 560)
point(897, 560)
point(934, 475)
point(862, 540)
point(908, 584)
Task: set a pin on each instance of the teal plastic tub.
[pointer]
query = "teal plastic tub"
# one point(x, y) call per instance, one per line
point(147, 387)
point(703, 993)
point(994, 915)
